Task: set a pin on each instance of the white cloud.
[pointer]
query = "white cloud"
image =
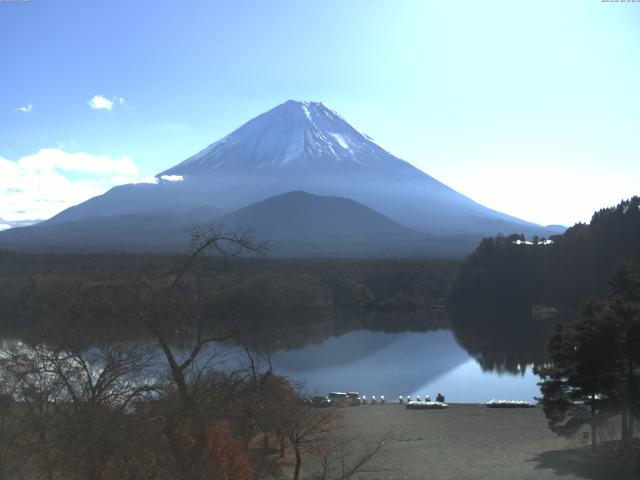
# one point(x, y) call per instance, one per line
point(24, 109)
point(51, 159)
point(172, 178)
point(41, 185)
point(99, 102)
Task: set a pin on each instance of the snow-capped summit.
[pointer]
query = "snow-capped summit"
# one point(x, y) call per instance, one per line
point(302, 136)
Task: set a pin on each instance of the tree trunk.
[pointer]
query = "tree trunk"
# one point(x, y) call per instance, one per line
point(47, 460)
point(49, 470)
point(281, 446)
point(296, 472)
point(625, 425)
point(628, 402)
point(594, 437)
point(200, 437)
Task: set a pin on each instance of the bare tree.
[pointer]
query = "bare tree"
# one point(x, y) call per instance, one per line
point(306, 427)
point(74, 409)
point(8, 430)
point(176, 301)
point(347, 456)
point(99, 390)
point(319, 435)
point(34, 390)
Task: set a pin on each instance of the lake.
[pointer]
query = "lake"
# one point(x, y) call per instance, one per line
point(468, 360)
point(405, 363)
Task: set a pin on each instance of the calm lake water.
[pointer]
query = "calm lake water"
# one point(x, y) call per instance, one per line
point(469, 361)
point(405, 363)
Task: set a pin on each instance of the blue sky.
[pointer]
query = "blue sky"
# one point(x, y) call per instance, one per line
point(532, 108)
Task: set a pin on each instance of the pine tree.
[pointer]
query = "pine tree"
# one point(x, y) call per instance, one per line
point(594, 370)
point(579, 388)
point(624, 301)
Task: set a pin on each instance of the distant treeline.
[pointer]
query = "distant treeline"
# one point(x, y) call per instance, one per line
point(38, 291)
point(512, 273)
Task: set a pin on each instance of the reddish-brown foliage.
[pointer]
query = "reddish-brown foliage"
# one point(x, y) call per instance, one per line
point(225, 457)
point(226, 460)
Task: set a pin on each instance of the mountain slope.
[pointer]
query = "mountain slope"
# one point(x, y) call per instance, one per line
point(294, 224)
point(302, 224)
point(302, 137)
point(300, 213)
point(120, 232)
point(307, 146)
point(316, 225)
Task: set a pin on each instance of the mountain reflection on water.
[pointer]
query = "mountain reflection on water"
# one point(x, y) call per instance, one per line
point(467, 359)
point(407, 363)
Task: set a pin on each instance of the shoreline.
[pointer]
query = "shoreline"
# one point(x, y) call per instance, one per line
point(471, 441)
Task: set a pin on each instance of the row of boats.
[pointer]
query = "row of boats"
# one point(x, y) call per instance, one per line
point(428, 405)
point(427, 398)
point(417, 405)
point(354, 398)
point(509, 404)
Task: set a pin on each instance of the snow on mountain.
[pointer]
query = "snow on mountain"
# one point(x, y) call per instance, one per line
point(302, 136)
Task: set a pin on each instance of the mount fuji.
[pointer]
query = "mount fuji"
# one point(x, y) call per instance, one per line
point(295, 147)
point(296, 138)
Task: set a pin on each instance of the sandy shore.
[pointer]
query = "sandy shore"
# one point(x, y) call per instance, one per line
point(470, 441)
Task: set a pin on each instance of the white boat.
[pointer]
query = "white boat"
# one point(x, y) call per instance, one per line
point(426, 405)
point(509, 404)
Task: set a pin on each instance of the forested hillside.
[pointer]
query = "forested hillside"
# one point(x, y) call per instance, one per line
point(563, 271)
point(39, 292)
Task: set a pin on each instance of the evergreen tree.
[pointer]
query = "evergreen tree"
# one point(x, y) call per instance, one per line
point(580, 386)
point(595, 363)
point(624, 302)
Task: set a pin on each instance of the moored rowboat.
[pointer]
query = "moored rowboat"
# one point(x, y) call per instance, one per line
point(509, 404)
point(426, 405)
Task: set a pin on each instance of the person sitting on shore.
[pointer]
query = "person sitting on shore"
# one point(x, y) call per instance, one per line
point(440, 398)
